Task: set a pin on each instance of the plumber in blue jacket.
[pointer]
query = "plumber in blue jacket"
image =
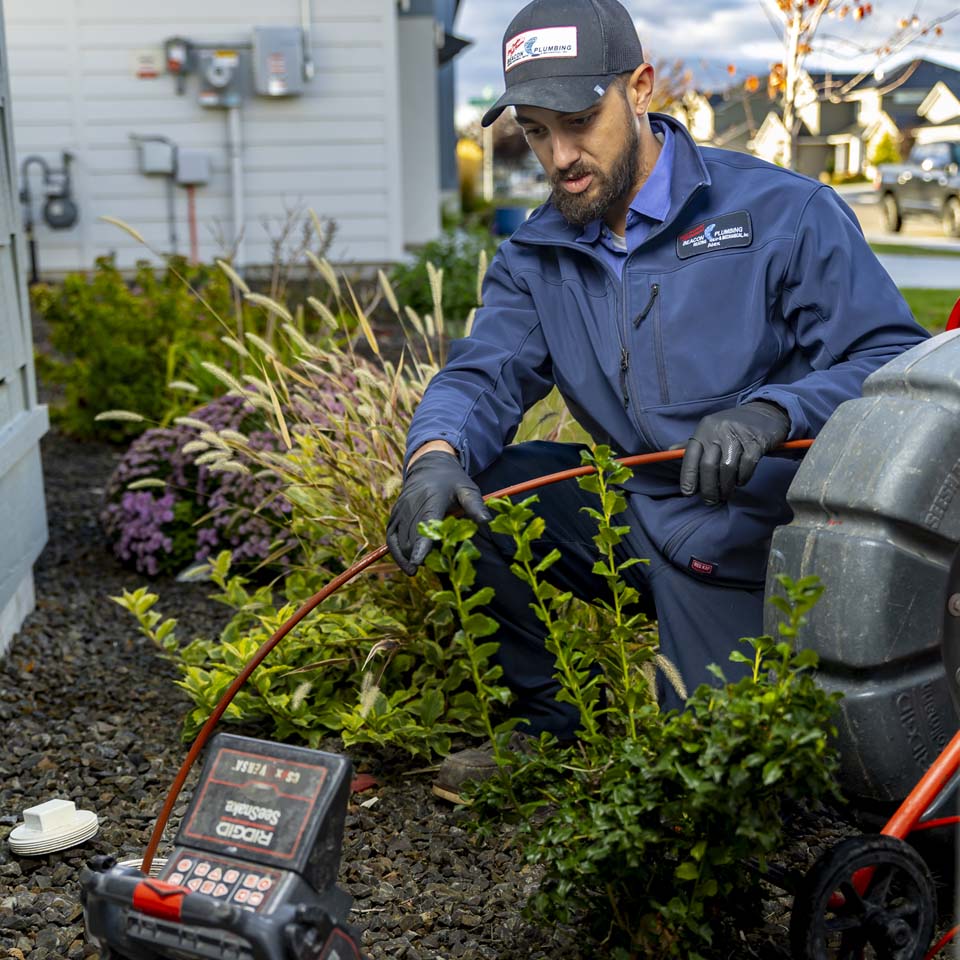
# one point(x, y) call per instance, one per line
point(674, 295)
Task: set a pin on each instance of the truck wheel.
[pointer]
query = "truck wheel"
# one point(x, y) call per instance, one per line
point(951, 217)
point(892, 219)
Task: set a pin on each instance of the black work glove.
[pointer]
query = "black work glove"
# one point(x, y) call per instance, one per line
point(433, 484)
point(727, 446)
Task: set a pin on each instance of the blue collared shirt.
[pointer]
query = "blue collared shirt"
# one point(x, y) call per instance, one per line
point(649, 207)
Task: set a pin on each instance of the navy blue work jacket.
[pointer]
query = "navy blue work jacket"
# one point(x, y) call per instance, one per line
point(759, 285)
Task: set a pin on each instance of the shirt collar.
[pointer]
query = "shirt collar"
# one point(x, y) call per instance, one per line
point(653, 198)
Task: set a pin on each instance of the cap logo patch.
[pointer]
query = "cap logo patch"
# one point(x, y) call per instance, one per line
point(545, 44)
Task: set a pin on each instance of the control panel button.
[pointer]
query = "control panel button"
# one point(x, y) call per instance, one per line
point(216, 874)
point(222, 890)
point(265, 883)
point(207, 886)
point(176, 879)
point(241, 895)
point(194, 884)
point(231, 876)
point(250, 880)
point(184, 865)
point(256, 899)
point(202, 869)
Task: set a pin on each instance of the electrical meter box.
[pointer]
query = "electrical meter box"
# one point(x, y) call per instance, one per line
point(278, 61)
point(156, 157)
point(221, 80)
point(193, 168)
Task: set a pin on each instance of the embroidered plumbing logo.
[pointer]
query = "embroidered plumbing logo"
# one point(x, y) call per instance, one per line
point(730, 230)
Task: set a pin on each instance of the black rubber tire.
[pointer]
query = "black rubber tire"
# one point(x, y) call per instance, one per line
point(894, 918)
point(892, 217)
point(950, 217)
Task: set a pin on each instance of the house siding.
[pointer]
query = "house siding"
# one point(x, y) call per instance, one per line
point(22, 420)
point(334, 149)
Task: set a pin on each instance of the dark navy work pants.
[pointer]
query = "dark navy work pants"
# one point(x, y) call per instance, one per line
point(699, 622)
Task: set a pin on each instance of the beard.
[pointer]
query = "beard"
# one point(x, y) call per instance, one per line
point(606, 189)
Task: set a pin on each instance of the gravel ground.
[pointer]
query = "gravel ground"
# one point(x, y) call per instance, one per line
point(89, 713)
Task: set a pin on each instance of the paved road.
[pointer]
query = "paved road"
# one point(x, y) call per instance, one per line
point(940, 273)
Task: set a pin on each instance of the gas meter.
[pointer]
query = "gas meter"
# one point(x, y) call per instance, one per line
point(253, 873)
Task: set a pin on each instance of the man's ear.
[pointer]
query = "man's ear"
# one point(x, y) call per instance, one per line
point(640, 88)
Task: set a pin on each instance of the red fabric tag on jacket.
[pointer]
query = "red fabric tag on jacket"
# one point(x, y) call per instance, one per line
point(702, 567)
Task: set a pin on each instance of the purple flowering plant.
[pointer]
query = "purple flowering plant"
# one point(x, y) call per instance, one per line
point(186, 511)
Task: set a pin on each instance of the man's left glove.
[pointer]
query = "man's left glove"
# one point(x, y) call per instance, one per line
point(727, 446)
point(434, 483)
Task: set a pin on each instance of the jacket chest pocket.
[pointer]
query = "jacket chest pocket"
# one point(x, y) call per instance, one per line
point(709, 328)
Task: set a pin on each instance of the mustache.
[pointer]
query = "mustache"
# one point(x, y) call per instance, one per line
point(574, 172)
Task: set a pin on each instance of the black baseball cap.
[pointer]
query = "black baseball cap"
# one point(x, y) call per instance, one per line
point(563, 54)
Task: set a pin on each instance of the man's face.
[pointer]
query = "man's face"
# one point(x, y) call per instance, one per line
point(592, 158)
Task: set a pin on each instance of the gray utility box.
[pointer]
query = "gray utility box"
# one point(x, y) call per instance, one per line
point(221, 79)
point(193, 168)
point(877, 518)
point(278, 61)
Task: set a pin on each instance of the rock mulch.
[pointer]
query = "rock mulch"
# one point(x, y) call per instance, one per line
point(88, 712)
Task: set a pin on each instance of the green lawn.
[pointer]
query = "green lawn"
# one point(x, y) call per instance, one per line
point(931, 307)
point(909, 250)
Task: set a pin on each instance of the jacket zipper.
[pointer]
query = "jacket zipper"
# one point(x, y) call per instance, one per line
point(624, 367)
point(654, 293)
point(658, 346)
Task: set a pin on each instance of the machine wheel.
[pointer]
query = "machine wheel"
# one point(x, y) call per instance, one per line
point(893, 919)
point(892, 218)
point(951, 217)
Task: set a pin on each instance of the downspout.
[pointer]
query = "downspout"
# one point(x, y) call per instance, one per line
point(306, 26)
point(235, 148)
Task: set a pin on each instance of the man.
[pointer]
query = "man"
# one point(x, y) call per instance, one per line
point(675, 296)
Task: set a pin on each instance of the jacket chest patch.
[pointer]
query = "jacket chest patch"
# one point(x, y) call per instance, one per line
point(718, 233)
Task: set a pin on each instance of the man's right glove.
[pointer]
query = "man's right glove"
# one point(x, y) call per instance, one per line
point(434, 483)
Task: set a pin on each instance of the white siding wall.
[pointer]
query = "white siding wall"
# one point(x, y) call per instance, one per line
point(22, 420)
point(335, 149)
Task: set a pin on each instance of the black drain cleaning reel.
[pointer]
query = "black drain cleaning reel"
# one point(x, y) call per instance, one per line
point(253, 872)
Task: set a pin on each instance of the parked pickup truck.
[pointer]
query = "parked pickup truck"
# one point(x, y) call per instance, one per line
point(928, 184)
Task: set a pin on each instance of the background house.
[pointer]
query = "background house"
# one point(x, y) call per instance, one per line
point(22, 420)
point(840, 128)
point(353, 118)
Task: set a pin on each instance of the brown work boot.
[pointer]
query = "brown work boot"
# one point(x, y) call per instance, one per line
point(475, 764)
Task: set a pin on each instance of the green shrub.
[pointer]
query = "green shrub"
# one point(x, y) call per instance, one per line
point(143, 346)
point(644, 827)
point(455, 256)
point(887, 150)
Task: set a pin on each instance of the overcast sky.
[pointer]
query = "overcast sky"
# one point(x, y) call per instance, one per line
point(706, 34)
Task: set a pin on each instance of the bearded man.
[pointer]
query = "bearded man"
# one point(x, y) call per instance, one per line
point(676, 296)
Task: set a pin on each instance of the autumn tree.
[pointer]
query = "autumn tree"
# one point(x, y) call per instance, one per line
point(799, 21)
